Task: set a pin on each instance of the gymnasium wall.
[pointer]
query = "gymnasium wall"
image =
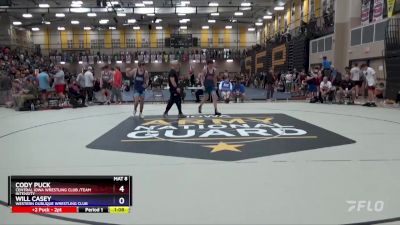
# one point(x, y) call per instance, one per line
point(111, 41)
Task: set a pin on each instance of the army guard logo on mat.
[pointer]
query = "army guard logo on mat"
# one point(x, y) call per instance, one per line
point(226, 138)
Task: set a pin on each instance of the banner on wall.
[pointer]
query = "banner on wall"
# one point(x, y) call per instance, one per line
point(91, 59)
point(365, 8)
point(390, 7)
point(312, 8)
point(293, 15)
point(378, 10)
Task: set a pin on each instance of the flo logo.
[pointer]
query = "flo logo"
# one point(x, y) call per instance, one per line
point(363, 205)
point(227, 138)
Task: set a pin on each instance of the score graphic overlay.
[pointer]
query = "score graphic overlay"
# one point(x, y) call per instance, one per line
point(70, 194)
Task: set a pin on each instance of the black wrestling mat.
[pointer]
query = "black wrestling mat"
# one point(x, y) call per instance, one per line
point(226, 138)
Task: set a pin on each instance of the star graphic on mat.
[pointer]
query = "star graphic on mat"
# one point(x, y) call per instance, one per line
point(223, 147)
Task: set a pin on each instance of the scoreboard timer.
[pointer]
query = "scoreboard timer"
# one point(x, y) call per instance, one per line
point(70, 194)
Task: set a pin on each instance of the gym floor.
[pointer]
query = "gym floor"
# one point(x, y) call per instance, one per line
point(303, 187)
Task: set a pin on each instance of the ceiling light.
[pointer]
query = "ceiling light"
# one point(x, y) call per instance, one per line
point(114, 3)
point(238, 13)
point(80, 62)
point(87, 28)
point(74, 22)
point(183, 27)
point(251, 29)
point(76, 5)
point(158, 28)
point(47, 22)
point(233, 21)
point(228, 27)
point(158, 20)
point(151, 14)
point(99, 61)
point(111, 28)
point(62, 62)
point(139, 5)
point(213, 4)
point(119, 61)
point(205, 27)
point(60, 15)
point(211, 21)
point(181, 14)
point(17, 23)
point(186, 10)
point(229, 60)
point(131, 21)
point(245, 8)
point(121, 14)
point(259, 24)
point(136, 61)
point(148, 2)
point(80, 10)
point(267, 17)
point(91, 14)
point(184, 20)
point(183, 3)
point(103, 21)
point(60, 28)
point(27, 15)
point(35, 29)
point(136, 28)
point(42, 5)
point(245, 4)
point(215, 14)
point(279, 8)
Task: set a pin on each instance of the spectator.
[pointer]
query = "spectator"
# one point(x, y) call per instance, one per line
point(288, 82)
point(239, 91)
point(346, 90)
point(192, 77)
point(356, 78)
point(326, 66)
point(26, 92)
point(75, 95)
point(59, 82)
point(106, 80)
point(200, 91)
point(336, 78)
point(5, 90)
point(88, 77)
point(326, 91)
point(117, 85)
point(370, 78)
point(226, 88)
point(44, 83)
point(312, 85)
point(303, 82)
point(269, 81)
point(81, 80)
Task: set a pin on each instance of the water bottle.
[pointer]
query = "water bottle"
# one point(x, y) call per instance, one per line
point(32, 107)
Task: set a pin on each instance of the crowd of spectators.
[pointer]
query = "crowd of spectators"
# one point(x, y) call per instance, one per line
point(29, 81)
point(323, 84)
